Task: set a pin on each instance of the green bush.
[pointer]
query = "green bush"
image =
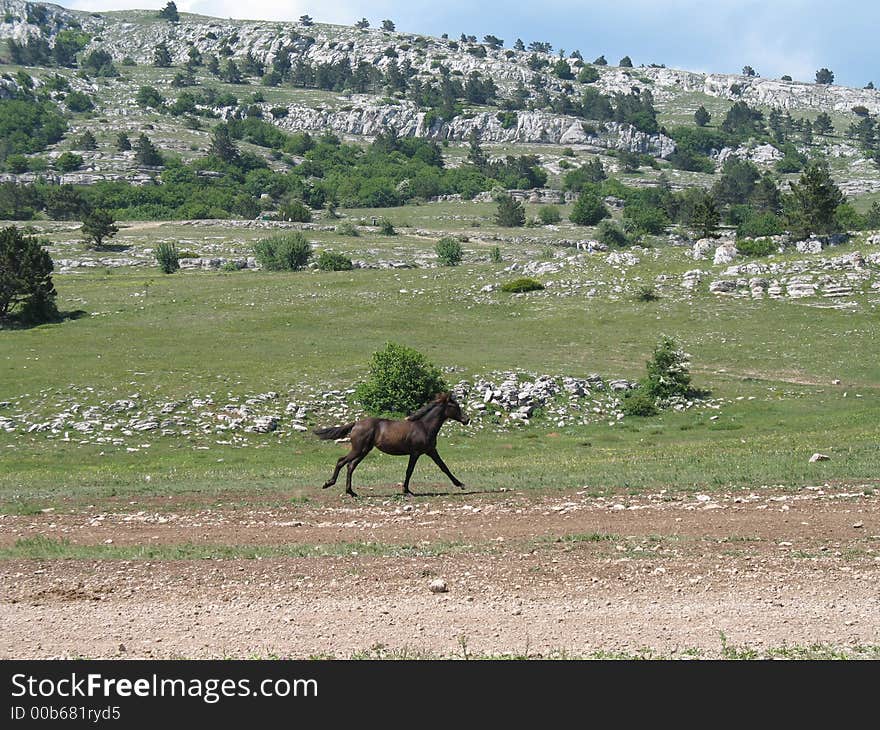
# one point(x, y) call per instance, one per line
point(347, 228)
point(588, 210)
point(25, 278)
point(668, 372)
point(167, 257)
point(756, 246)
point(511, 213)
point(495, 255)
point(400, 381)
point(330, 261)
point(549, 214)
point(68, 162)
point(638, 403)
point(612, 235)
point(296, 211)
point(756, 225)
point(386, 227)
point(449, 251)
point(647, 294)
point(522, 285)
point(284, 252)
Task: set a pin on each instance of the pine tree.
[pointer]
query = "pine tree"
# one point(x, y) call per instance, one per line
point(97, 226)
point(169, 13)
point(25, 278)
point(702, 117)
point(511, 213)
point(146, 153)
point(705, 217)
point(162, 56)
point(813, 201)
point(123, 143)
point(222, 145)
point(588, 209)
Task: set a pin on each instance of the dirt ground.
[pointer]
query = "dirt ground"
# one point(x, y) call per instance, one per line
point(526, 575)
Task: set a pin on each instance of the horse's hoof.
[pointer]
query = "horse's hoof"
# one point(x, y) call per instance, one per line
point(460, 485)
point(351, 494)
point(327, 485)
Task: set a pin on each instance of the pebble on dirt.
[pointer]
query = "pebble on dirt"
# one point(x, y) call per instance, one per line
point(438, 585)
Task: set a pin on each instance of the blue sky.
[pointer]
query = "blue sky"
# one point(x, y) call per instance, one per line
point(776, 37)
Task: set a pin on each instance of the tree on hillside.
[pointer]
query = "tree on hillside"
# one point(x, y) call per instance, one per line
point(811, 206)
point(749, 71)
point(588, 209)
point(388, 25)
point(702, 117)
point(625, 62)
point(222, 145)
point(362, 24)
point(823, 124)
point(98, 226)
point(306, 20)
point(162, 56)
point(169, 12)
point(25, 278)
point(600, 61)
point(146, 153)
point(123, 143)
point(705, 217)
point(824, 76)
point(511, 213)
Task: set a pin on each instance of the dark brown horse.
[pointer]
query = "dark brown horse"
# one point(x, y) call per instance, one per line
point(415, 436)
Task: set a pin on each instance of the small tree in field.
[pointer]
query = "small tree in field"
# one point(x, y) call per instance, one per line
point(668, 371)
point(702, 117)
point(449, 251)
point(98, 225)
point(25, 278)
point(705, 216)
point(511, 213)
point(167, 257)
point(588, 210)
point(401, 379)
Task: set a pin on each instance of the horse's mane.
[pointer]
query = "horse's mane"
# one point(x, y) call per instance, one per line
point(418, 415)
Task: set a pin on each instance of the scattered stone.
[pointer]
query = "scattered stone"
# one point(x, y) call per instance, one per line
point(438, 585)
point(819, 457)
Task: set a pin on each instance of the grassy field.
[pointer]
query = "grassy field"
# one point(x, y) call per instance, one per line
point(768, 364)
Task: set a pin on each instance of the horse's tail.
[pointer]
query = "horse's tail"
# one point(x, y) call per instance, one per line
point(333, 432)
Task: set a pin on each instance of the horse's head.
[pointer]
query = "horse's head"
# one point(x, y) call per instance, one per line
point(452, 408)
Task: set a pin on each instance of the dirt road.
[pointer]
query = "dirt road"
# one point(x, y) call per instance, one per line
point(526, 575)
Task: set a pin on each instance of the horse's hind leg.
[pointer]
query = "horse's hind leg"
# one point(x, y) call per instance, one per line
point(343, 460)
point(352, 465)
point(413, 458)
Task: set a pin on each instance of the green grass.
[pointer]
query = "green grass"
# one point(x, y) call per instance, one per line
point(45, 548)
point(770, 362)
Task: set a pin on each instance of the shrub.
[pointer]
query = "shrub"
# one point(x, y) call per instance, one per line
point(756, 246)
point(77, 101)
point(284, 252)
point(638, 403)
point(330, 261)
point(511, 213)
point(347, 228)
point(549, 214)
point(522, 285)
point(588, 210)
point(295, 210)
point(495, 255)
point(647, 294)
point(449, 251)
point(386, 228)
point(167, 257)
point(668, 372)
point(756, 225)
point(612, 235)
point(25, 278)
point(400, 381)
point(68, 162)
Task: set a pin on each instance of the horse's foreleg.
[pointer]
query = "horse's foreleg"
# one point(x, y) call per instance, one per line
point(413, 458)
point(445, 469)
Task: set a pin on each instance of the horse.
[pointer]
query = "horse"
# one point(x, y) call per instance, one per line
point(414, 436)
